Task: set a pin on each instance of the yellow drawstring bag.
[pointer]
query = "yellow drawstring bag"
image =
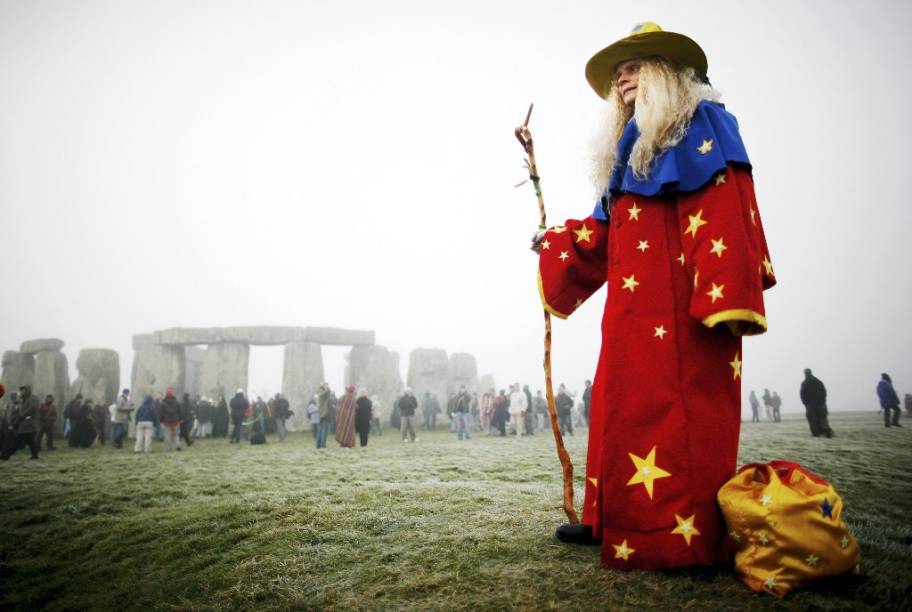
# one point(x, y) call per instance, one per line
point(786, 524)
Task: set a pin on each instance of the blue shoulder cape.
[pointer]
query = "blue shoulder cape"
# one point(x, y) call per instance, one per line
point(687, 166)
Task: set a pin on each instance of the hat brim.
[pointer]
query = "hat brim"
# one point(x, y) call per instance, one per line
point(676, 48)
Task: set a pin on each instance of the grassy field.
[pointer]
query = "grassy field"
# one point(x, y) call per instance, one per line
point(439, 524)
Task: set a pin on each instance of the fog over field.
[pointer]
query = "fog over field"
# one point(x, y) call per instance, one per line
point(353, 165)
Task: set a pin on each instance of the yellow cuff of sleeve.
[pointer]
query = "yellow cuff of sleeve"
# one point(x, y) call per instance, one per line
point(741, 321)
point(545, 304)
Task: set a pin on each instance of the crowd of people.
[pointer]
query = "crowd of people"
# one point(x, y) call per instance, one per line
point(27, 422)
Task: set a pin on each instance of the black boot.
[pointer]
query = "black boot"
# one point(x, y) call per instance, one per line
point(576, 534)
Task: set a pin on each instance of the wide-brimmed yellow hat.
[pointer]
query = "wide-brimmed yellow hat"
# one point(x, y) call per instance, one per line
point(647, 39)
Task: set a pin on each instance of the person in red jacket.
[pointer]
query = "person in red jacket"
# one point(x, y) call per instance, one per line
point(677, 237)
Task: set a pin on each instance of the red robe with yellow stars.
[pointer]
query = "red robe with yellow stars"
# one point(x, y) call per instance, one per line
point(685, 274)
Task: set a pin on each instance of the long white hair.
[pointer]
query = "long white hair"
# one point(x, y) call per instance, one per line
point(665, 102)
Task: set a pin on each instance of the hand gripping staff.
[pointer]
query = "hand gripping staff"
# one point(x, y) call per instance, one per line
point(524, 136)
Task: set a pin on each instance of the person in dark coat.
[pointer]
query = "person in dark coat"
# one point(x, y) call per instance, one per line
point(564, 405)
point(238, 410)
point(907, 400)
point(501, 413)
point(187, 414)
point(529, 417)
point(47, 421)
point(169, 415)
point(100, 418)
point(777, 404)
point(813, 396)
point(889, 400)
point(282, 412)
point(407, 405)
point(83, 433)
point(755, 407)
point(587, 401)
point(220, 418)
point(23, 425)
point(69, 415)
point(363, 416)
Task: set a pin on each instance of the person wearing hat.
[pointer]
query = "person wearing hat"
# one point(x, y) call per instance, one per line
point(677, 237)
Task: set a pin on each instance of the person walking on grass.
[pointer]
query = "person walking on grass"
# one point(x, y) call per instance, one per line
point(345, 418)
point(238, 412)
point(47, 421)
point(462, 407)
point(146, 423)
point(282, 412)
point(122, 412)
point(813, 396)
point(407, 405)
point(889, 400)
point(170, 417)
point(324, 412)
point(363, 417)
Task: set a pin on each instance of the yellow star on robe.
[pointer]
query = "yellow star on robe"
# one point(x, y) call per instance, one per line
point(716, 292)
point(545, 245)
point(718, 247)
point(736, 373)
point(720, 179)
point(644, 244)
point(770, 583)
point(766, 500)
point(634, 213)
point(681, 258)
point(660, 332)
point(734, 535)
point(582, 234)
point(762, 537)
point(564, 255)
point(622, 551)
point(686, 528)
point(753, 216)
point(646, 471)
point(706, 147)
point(696, 222)
point(579, 302)
point(812, 560)
point(768, 265)
point(630, 282)
point(844, 542)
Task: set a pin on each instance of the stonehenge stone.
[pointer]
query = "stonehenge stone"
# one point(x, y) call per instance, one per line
point(303, 372)
point(41, 344)
point(99, 375)
point(375, 369)
point(429, 372)
point(52, 376)
point(18, 370)
point(463, 371)
point(486, 383)
point(225, 369)
point(262, 335)
point(156, 368)
point(194, 358)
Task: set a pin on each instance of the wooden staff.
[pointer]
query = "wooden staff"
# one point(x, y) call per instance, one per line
point(524, 136)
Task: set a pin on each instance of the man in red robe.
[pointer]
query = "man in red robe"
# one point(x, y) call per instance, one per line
point(677, 237)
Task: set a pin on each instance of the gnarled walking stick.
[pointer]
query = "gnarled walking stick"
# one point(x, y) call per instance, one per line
point(524, 136)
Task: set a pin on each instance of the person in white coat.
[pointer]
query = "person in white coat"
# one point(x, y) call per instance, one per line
point(518, 407)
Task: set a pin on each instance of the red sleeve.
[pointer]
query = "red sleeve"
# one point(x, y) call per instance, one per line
point(726, 253)
point(572, 264)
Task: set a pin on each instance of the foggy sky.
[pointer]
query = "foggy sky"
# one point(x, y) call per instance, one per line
point(352, 164)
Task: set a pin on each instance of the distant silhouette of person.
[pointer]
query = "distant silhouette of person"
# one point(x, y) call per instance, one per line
point(777, 404)
point(755, 408)
point(768, 404)
point(888, 400)
point(908, 401)
point(813, 396)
